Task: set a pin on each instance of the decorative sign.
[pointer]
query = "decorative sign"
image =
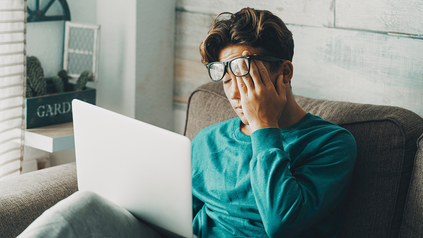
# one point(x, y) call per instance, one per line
point(54, 109)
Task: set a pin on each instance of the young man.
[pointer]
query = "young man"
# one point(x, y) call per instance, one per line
point(275, 171)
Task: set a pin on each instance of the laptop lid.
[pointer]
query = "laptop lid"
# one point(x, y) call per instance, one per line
point(141, 167)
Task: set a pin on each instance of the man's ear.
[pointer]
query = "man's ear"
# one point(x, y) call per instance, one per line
point(287, 70)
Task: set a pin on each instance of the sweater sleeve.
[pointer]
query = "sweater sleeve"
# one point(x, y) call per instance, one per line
point(290, 202)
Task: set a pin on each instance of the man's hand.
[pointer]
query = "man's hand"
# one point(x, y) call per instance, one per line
point(262, 101)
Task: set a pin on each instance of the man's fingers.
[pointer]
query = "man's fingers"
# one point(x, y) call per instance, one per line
point(246, 80)
point(249, 79)
point(241, 86)
point(255, 74)
point(264, 74)
point(242, 66)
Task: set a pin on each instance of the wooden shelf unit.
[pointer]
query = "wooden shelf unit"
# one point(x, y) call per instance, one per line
point(51, 138)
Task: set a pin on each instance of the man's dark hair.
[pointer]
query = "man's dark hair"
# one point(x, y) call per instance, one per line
point(256, 28)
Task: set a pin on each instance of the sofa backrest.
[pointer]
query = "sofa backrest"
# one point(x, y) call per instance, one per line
point(412, 223)
point(386, 142)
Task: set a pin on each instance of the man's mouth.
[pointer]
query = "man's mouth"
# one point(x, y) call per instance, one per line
point(239, 109)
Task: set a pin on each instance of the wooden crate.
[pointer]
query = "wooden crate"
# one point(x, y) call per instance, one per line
point(54, 108)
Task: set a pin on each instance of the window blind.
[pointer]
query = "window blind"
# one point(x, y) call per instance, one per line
point(12, 85)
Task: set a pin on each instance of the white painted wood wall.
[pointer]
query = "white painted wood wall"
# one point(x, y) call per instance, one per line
point(366, 51)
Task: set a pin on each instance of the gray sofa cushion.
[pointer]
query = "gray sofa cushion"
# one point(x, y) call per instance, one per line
point(386, 143)
point(386, 148)
point(207, 105)
point(26, 197)
point(412, 225)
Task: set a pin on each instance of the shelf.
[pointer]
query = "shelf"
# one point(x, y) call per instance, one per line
point(51, 138)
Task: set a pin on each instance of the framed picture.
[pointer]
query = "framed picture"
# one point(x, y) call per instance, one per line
point(81, 49)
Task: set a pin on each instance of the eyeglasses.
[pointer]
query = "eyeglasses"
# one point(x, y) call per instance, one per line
point(239, 66)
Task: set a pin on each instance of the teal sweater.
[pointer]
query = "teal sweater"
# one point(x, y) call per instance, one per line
point(289, 182)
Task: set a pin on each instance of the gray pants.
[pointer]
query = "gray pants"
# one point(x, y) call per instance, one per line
point(86, 214)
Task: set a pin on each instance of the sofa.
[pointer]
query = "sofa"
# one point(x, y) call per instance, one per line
point(386, 195)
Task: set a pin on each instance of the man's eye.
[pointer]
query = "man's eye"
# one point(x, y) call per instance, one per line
point(226, 78)
point(225, 81)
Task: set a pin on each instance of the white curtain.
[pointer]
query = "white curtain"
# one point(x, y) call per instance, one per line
point(12, 85)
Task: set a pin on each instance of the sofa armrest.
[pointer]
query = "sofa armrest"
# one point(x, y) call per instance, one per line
point(24, 198)
point(412, 223)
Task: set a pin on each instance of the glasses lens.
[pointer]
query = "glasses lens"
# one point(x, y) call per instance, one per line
point(240, 67)
point(216, 71)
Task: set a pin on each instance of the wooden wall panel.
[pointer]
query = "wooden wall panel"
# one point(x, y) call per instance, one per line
point(212, 7)
point(358, 66)
point(301, 12)
point(400, 16)
point(189, 72)
point(329, 63)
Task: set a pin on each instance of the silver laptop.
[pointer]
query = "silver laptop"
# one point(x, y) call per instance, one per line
point(141, 167)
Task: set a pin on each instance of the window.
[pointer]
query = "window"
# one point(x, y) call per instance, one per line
point(12, 85)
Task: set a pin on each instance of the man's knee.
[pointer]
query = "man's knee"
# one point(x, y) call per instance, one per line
point(79, 202)
point(86, 197)
point(86, 214)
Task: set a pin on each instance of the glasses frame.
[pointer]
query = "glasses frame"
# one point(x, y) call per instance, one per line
point(227, 64)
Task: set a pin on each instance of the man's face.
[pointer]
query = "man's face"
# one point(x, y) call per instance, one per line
point(230, 84)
